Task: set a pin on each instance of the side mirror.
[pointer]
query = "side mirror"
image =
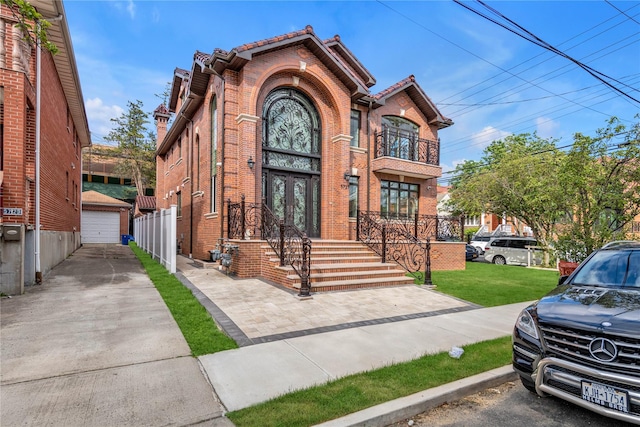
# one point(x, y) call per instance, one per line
point(562, 279)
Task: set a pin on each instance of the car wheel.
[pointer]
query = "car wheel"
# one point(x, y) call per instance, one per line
point(499, 260)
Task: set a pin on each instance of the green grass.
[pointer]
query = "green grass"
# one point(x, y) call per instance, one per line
point(197, 326)
point(360, 391)
point(490, 285)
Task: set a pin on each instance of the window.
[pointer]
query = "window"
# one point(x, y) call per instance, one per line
point(471, 221)
point(355, 128)
point(197, 160)
point(214, 149)
point(353, 196)
point(398, 199)
point(400, 138)
point(179, 203)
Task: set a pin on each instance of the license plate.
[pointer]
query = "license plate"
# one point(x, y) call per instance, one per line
point(606, 396)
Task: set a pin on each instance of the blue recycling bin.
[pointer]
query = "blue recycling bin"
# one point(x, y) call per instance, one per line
point(125, 239)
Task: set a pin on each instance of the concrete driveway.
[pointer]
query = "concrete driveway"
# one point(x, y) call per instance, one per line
point(95, 345)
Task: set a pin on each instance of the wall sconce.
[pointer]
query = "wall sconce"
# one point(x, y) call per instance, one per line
point(251, 162)
point(347, 176)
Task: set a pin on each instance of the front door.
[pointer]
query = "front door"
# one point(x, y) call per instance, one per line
point(294, 198)
point(291, 159)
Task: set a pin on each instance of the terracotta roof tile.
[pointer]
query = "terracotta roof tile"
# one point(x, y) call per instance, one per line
point(307, 30)
point(146, 202)
point(201, 56)
point(393, 88)
point(162, 109)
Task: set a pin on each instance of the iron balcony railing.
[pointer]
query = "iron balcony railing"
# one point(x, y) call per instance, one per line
point(406, 240)
point(402, 144)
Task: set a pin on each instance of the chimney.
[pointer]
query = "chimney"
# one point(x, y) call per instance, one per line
point(161, 116)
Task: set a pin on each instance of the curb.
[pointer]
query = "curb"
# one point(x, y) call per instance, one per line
point(406, 407)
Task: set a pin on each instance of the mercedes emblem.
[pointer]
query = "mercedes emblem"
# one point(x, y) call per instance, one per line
point(603, 350)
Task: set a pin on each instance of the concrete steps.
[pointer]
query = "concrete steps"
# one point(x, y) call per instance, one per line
point(341, 265)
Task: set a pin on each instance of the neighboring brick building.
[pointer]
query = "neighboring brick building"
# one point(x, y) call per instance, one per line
point(53, 194)
point(290, 121)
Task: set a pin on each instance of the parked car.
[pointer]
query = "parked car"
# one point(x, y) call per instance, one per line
point(479, 242)
point(471, 253)
point(581, 342)
point(513, 250)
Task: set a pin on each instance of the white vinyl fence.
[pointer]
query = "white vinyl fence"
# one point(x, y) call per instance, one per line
point(155, 233)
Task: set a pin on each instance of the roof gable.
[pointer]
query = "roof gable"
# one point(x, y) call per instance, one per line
point(92, 197)
point(417, 95)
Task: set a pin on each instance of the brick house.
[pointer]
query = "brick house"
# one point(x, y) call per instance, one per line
point(290, 123)
point(57, 124)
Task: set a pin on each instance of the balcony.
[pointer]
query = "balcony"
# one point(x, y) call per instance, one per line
point(400, 152)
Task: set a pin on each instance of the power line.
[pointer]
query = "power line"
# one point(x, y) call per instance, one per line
point(529, 36)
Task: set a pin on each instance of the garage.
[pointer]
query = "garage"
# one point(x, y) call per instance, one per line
point(100, 227)
point(104, 219)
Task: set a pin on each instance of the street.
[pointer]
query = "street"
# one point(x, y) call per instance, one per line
point(509, 405)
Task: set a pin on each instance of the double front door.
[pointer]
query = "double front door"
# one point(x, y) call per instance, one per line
point(295, 197)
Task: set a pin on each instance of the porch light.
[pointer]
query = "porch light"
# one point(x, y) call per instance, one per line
point(251, 162)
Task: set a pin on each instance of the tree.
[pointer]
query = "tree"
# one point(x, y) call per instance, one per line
point(31, 22)
point(517, 177)
point(135, 153)
point(604, 180)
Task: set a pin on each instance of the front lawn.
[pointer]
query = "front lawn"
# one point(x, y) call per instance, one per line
point(491, 285)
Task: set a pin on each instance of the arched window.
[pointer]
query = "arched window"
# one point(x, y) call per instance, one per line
point(401, 136)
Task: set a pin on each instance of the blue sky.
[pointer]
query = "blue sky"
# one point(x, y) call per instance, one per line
point(489, 81)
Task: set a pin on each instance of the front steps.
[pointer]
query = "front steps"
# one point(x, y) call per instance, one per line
point(340, 265)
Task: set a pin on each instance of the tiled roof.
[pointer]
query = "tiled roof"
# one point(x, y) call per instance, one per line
point(146, 202)
point(162, 109)
point(307, 30)
point(181, 72)
point(94, 198)
point(201, 56)
point(393, 88)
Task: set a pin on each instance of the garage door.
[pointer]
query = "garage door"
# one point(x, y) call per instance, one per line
point(100, 227)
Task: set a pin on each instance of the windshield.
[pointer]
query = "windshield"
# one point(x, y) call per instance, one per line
point(611, 268)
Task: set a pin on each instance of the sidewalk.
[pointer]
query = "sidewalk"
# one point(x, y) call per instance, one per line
point(289, 344)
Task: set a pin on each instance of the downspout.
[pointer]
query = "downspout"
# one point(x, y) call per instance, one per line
point(37, 155)
point(222, 112)
point(37, 150)
point(191, 185)
point(369, 158)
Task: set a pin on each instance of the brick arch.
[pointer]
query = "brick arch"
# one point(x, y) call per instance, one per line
point(323, 97)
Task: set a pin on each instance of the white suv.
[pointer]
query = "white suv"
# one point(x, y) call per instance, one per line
point(513, 250)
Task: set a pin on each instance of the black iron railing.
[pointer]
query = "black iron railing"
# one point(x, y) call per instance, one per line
point(402, 144)
point(406, 240)
point(291, 245)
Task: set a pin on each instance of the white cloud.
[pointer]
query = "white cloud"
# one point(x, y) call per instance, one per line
point(547, 128)
point(128, 6)
point(100, 115)
point(487, 135)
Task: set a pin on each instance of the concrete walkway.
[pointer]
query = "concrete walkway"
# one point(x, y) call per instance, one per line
point(95, 345)
point(290, 344)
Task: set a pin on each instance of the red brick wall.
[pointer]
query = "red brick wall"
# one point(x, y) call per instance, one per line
point(58, 155)
point(240, 130)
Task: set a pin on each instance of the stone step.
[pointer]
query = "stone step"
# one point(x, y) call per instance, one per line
point(341, 285)
point(348, 275)
point(337, 260)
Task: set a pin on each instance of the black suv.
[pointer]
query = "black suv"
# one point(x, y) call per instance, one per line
point(581, 342)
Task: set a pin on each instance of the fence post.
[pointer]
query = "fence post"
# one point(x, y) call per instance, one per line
point(427, 269)
point(228, 218)
point(242, 217)
point(358, 225)
point(282, 243)
point(173, 216)
point(384, 243)
point(462, 228)
point(415, 225)
point(305, 284)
